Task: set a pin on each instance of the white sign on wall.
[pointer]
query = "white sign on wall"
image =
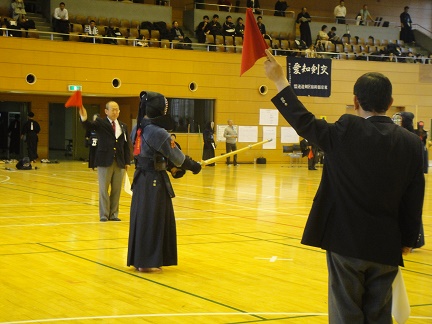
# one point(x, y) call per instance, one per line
point(269, 132)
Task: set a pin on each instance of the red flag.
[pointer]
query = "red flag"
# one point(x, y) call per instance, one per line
point(254, 45)
point(75, 100)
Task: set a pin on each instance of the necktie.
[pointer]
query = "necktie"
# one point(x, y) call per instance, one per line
point(113, 126)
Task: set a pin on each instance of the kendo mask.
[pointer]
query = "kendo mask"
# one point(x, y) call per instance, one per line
point(155, 106)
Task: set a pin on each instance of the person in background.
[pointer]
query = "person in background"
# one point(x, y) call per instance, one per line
point(61, 20)
point(255, 5)
point(420, 131)
point(209, 142)
point(230, 133)
point(367, 211)
point(364, 15)
point(202, 30)
point(239, 28)
point(30, 133)
point(280, 7)
point(91, 143)
point(303, 19)
point(228, 27)
point(91, 30)
point(224, 5)
point(311, 151)
point(174, 139)
point(14, 132)
point(406, 33)
point(340, 12)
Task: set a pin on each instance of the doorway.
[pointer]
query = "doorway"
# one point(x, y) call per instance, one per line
point(66, 134)
point(11, 122)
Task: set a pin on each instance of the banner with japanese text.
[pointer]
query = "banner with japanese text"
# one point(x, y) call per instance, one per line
point(310, 76)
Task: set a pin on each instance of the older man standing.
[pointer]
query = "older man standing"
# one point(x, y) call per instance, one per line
point(230, 134)
point(113, 157)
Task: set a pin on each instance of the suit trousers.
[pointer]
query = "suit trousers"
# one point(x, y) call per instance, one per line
point(109, 200)
point(359, 291)
point(230, 148)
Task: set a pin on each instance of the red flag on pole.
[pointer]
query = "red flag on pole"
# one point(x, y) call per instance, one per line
point(75, 100)
point(254, 45)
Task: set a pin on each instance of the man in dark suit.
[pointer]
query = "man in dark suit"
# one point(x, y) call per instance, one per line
point(367, 211)
point(112, 158)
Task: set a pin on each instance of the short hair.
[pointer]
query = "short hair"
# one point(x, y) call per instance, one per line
point(215, 16)
point(228, 17)
point(175, 21)
point(30, 114)
point(92, 21)
point(333, 28)
point(259, 17)
point(323, 27)
point(406, 7)
point(206, 17)
point(374, 92)
point(239, 18)
point(174, 135)
point(62, 3)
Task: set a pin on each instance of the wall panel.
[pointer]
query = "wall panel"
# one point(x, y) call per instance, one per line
point(170, 71)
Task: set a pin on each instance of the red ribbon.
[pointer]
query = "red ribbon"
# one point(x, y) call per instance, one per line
point(137, 145)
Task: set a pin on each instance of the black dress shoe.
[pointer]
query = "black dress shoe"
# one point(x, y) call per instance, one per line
point(115, 219)
point(312, 169)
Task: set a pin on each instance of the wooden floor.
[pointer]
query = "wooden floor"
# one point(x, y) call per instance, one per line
point(240, 257)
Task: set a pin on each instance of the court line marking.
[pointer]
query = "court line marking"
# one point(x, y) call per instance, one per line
point(181, 315)
point(7, 178)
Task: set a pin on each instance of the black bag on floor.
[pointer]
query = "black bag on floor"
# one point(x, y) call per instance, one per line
point(24, 164)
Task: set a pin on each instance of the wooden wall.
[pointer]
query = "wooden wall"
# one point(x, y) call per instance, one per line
point(94, 66)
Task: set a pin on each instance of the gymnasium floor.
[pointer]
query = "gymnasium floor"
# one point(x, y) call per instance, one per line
point(240, 257)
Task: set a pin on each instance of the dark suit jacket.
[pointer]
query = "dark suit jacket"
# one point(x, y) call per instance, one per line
point(108, 146)
point(369, 202)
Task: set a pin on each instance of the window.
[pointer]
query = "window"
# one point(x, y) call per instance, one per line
point(191, 115)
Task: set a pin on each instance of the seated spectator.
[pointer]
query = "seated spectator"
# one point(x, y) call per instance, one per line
point(239, 28)
point(224, 5)
point(202, 30)
point(215, 27)
point(25, 23)
point(429, 59)
point(177, 34)
point(228, 27)
point(18, 9)
point(323, 36)
point(280, 7)
point(61, 19)
point(332, 37)
point(91, 30)
point(310, 52)
point(410, 58)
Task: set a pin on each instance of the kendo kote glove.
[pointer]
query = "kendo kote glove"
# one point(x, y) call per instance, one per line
point(191, 165)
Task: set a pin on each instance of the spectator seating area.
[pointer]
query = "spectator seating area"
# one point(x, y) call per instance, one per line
point(156, 34)
point(122, 31)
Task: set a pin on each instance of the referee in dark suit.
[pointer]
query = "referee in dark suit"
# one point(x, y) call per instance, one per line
point(113, 157)
point(368, 208)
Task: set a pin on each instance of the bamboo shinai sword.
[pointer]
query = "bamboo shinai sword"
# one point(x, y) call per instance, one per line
point(224, 156)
